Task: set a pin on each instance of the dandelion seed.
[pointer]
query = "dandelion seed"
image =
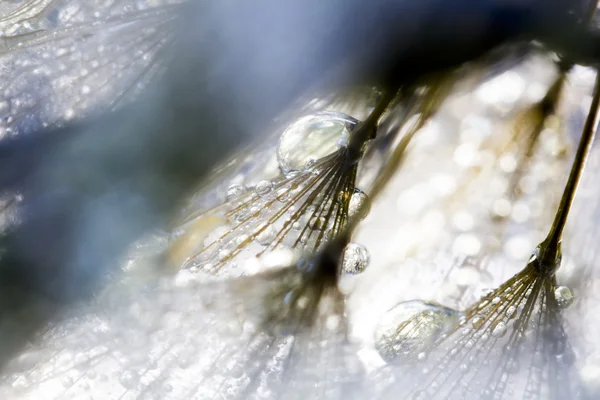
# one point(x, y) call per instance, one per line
point(531, 301)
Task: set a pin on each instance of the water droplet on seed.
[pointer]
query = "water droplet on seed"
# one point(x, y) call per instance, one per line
point(356, 259)
point(311, 138)
point(235, 190)
point(263, 187)
point(410, 328)
point(498, 329)
point(358, 205)
point(564, 296)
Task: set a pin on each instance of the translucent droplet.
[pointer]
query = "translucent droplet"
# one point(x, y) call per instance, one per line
point(266, 236)
point(358, 205)
point(317, 223)
point(478, 322)
point(283, 194)
point(129, 379)
point(420, 395)
point(311, 138)
point(356, 259)
point(263, 187)
point(498, 329)
point(280, 258)
point(410, 328)
point(235, 190)
point(564, 296)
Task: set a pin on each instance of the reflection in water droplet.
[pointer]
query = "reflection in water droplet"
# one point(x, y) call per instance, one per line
point(564, 296)
point(411, 328)
point(356, 259)
point(358, 205)
point(312, 137)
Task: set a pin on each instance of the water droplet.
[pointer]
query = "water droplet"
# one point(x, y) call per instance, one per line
point(410, 328)
point(498, 329)
point(511, 312)
point(564, 296)
point(356, 259)
point(266, 236)
point(358, 205)
point(129, 379)
point(283, 194)
point(478, 322)
point(263, 187)
point(235, 190)
point(317, 223)
point(312, 137)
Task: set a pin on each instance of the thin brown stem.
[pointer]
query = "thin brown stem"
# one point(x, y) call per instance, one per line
point(550, 247)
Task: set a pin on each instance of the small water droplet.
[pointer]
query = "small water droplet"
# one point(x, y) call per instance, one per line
point(356, 259)
point(283, 194)
point(266, 236)
point(498, 329)
point(317, 223)
point(235, 190)
point(129, 379)
point(263, 187)
point(358, 205)
point(511, 312)
point(478, 322)
point(564, 296)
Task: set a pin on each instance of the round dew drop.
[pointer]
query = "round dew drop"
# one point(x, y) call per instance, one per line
point(356, 259)
point(564, 296)
point(410, 328)
point(235, 190)
point(311, 138)
point(358, 205)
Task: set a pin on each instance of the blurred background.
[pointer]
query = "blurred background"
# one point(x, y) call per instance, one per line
point(124, 120)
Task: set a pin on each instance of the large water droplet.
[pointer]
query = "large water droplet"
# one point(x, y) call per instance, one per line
point(356, 259)
point(564, 296)
point(411, 328)
point(313, 137)
point(358, 206)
